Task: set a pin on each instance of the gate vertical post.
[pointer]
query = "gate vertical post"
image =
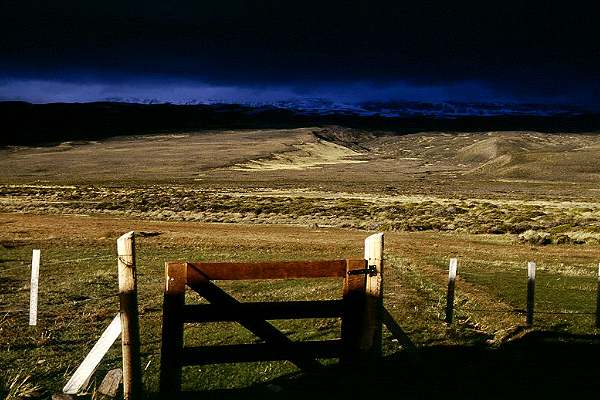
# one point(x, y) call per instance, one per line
point(355, 342)
point(172, 328)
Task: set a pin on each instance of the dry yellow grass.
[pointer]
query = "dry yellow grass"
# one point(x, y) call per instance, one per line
point(517, 165)
point(303, 156)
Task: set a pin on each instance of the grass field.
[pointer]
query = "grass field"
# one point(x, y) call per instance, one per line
point(295, 195)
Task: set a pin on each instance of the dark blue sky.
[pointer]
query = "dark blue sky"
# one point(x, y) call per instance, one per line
point(274, 50)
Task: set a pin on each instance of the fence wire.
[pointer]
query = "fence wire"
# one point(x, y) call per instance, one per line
point(440, 303)
point(440, 306)
point(25, 264)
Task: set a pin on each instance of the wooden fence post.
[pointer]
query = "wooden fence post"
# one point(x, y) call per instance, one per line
point(374, 292)
point(33, 292)
point(598, 300)
point(530, 291)
point(172, 328)
point(452, 269)
point(130, 335)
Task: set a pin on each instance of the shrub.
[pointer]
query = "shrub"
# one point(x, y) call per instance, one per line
point(536, 238)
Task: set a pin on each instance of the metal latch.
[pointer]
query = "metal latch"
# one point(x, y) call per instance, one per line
point(371, 270)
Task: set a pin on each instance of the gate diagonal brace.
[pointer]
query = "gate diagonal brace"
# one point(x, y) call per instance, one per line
point(259, 327)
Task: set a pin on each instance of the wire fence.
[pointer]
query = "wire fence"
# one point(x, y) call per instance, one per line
point(52, 310)
point(25, 264)
point(439, 304)
point(523, 311)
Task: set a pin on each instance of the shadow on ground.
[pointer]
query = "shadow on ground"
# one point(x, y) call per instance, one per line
point(538, 364)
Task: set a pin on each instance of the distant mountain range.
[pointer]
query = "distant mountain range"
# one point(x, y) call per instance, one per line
point(32, 124)
point(398, 109)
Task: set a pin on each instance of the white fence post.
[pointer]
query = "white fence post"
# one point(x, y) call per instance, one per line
point(33, 294)
point(530, 291)
point(452, 269)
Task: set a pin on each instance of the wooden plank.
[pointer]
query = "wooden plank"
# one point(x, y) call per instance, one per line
point(111, 382)
point(199, 271)
point(354, 340)
point(530, 291)
point(33, 292)
point(91, 361)
point(374, 293)
point(260, 352)
point(263, 310)
point(132, 370)
point(259, 327)
point(452, 269)
point(172, 328)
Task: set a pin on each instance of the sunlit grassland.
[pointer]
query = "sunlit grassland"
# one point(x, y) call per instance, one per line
point(77, 297)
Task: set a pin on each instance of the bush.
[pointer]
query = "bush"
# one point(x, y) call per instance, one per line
point(536, 238)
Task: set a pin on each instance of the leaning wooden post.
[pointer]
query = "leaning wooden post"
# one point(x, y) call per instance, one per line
point(598, 300)
point(130, 325)
point(374, 292)
point(33, 292)
point(452, 269)
point(530, 291)
point(82, 375)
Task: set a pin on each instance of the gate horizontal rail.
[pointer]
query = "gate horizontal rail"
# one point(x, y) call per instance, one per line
point(264, 310)
point(198, 271)
point(261, 352)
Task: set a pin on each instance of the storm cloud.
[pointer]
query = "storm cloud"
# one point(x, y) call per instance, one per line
point(271, 49)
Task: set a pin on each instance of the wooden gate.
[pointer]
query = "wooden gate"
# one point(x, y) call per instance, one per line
point(361, 311)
